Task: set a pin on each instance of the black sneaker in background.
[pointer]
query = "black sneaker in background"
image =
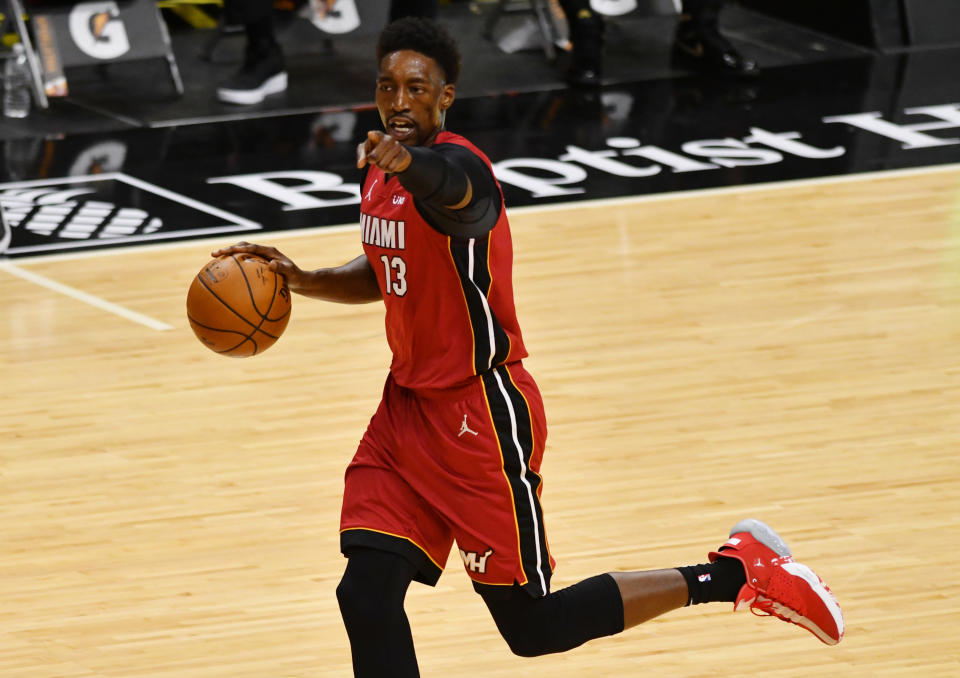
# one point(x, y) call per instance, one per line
point(707, 50)
point(260, 76)
point(584, 71)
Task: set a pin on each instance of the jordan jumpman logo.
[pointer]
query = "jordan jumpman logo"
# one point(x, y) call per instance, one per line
point(466, 429)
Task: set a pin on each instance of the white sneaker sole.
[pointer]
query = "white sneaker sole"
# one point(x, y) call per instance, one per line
point(246, 97)
point(808, 575)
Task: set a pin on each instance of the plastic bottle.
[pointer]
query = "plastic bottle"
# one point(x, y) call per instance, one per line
point(16, 84)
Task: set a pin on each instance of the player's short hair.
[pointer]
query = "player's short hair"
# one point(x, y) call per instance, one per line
point(424, 36)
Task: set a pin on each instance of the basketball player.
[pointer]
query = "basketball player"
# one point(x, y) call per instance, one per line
point(453, 451)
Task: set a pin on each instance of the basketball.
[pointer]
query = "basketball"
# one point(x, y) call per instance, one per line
point(237, 306)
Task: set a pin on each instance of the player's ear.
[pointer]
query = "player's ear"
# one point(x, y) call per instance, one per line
point(447, 96)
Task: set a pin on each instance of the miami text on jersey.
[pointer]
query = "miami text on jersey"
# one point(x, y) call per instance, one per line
point(386, 233)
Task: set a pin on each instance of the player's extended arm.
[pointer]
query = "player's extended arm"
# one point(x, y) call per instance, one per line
point(453, 187)
point(352, 283)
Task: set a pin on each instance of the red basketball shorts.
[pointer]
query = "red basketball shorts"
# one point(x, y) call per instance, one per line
point(455, 464)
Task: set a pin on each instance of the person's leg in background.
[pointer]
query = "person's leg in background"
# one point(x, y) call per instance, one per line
point(586, 38)
point(426, 9)
point(699, 43)
point(263, 71)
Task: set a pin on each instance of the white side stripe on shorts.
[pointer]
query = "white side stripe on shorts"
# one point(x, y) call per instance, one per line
point(523, 477)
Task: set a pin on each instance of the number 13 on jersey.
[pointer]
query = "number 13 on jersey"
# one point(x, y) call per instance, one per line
point(395, 275)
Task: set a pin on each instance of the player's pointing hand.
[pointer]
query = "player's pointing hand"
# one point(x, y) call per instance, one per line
point(383, 151)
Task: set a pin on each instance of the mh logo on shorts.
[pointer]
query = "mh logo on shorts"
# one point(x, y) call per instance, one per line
point(474, 561)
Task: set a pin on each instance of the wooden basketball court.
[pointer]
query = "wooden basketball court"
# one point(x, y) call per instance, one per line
point(789, 352)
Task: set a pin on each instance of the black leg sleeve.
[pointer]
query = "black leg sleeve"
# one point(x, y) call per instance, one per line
point(371, 597)
point(561, 620)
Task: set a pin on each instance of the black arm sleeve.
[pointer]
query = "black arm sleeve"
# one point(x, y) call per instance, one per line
point(437, 177)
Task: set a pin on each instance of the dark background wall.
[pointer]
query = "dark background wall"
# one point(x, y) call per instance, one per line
point(887, 25)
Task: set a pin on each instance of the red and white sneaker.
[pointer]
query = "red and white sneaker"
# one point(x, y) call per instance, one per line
point(778, 586)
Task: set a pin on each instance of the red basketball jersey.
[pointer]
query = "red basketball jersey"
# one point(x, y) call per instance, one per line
point(450, 309)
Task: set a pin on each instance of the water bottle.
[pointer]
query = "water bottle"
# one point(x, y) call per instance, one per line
point(16, 83)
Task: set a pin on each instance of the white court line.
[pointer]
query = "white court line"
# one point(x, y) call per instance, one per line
point(527, 209)
point(84, 297)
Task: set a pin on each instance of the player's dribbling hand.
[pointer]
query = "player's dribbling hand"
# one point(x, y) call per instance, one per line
point(383, 151)
point(279, 262)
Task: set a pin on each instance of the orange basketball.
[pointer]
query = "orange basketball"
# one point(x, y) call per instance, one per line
point(237, 306)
